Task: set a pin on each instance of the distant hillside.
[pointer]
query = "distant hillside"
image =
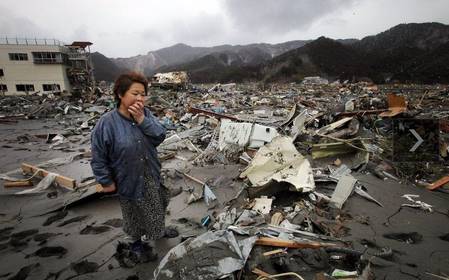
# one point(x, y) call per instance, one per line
point(415, 52)
point(406, 53)
point(156, 59)
point(429, 67)
point(406, 49)
point(423, 36)
point(222, 67)
point(104, 68)
point(322, 57)
point(180, 54)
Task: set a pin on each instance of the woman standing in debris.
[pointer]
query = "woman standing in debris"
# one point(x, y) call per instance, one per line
point(124, 160)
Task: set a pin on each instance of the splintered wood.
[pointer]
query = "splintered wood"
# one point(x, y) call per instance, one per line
point(61, 180)
point(266, 241)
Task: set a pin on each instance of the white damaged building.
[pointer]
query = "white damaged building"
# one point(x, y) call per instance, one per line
point(44, 66)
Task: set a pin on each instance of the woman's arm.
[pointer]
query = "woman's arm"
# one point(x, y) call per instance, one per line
point(100, 162)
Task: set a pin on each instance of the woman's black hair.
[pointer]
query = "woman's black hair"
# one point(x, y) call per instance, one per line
point(124, 82)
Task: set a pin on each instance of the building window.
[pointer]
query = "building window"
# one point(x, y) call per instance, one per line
point(3, 88)
point(18, 56)
point(1, 73)
point(23, 87)
point(48, 57)
point(51, 87)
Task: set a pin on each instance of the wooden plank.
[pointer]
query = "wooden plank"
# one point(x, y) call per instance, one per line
point(361, 113)
point(435, 185)
point(18, 184)
point(192, 178)
point(260, 272)
point(266, 241)
point(274, 252)
point(320, 276)
point(167, 156)
point(61, 180)
point(98, 188)
point(8, 121)
point(194, 110)
point(87, 154)
point(396, 105)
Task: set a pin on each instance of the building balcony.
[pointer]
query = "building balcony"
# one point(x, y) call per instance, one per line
point(77, 56)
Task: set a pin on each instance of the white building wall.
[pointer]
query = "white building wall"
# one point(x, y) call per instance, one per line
point(27, 72)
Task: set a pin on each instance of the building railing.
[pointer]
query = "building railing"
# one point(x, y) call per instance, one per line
point(29, 41)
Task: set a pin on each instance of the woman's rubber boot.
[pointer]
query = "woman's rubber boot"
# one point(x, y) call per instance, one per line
point(149, 253)
point(171, 232)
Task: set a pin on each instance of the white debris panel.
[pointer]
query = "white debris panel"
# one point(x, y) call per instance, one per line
point(281, 162)
point(245, 134)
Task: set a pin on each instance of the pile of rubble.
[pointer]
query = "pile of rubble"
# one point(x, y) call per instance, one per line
point(40, 106)
point(305, 141)
point(301, 150)
point(324, 120)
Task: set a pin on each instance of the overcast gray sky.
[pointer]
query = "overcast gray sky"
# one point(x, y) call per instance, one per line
point(132, 27)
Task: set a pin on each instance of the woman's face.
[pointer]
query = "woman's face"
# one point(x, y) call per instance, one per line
point(135, 93)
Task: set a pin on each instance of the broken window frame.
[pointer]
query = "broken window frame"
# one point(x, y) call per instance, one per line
point(48, 57)
point(3, 88)
point(18, 56)
point(51, 87)
point(25, 87)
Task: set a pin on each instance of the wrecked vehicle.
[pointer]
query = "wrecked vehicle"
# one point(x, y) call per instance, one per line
point(170, 80)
